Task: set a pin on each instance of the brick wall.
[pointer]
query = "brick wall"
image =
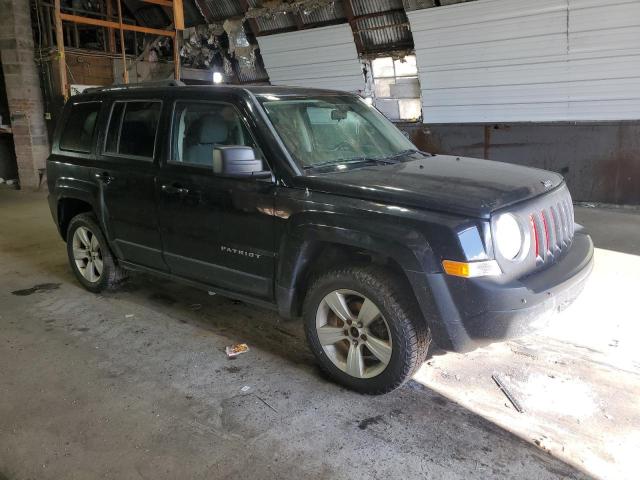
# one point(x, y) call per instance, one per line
point(24, 95)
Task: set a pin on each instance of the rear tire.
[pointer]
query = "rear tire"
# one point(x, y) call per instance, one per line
point(89, 255)
point(365, 328)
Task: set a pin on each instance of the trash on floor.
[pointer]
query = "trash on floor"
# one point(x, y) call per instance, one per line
point(507, 393)
point(246, 388)
point(237, 349)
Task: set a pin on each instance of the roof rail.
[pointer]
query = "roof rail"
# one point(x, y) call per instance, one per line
point(121, 86)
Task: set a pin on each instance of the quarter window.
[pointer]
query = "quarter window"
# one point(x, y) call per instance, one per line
point(77, 135)
point(199, 127)
point(132, 128)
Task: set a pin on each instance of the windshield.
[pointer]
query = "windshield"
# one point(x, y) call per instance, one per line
point(329, 130)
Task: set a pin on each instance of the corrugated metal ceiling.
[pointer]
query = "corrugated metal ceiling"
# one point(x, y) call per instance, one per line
point(383, 26)
point(364, 7)
point(390, 30)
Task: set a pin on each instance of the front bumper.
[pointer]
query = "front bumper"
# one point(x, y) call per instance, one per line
point(471, 313)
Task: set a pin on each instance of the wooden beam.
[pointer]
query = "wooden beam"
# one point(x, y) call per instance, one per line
point(125, 72)
point(111, 33)
point(176, 55)
point(62, 64)
point(178, 15)
point(162, 3)
point(105, 23)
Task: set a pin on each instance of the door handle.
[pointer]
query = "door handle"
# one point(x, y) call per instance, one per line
point(174, 190)
point(104, 177)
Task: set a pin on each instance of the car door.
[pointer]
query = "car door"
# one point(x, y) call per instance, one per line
point(215, 230)
point(126, 170)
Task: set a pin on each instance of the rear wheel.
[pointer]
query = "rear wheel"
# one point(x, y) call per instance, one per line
point(89, 256)
point(365, 329)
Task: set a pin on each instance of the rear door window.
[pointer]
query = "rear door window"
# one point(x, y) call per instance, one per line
point(77, 135)
point(133, 126)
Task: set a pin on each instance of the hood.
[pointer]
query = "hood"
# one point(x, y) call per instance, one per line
point(459, 185)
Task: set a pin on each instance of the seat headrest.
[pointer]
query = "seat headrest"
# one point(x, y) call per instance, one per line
point(210, 129)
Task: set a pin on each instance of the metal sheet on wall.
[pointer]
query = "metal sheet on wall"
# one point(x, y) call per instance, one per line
point(523, 61)
point(320, 57)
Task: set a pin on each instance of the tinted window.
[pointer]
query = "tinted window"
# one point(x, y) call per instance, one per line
point(78, 131)
point(132, 128)
point(199, 127)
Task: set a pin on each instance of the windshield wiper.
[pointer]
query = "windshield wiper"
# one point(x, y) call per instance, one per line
point(352, 161)
point(409, 152)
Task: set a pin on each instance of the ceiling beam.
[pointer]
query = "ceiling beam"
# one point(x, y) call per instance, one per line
point(105, 23)
point(162, 3)
point(351, 18)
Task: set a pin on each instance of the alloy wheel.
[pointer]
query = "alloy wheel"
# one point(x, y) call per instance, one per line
point(353, 333)
point(87, 254)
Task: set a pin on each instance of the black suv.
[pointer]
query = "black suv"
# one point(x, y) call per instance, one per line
point(310, 202)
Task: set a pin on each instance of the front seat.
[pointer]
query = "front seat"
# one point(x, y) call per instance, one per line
point(203, 135)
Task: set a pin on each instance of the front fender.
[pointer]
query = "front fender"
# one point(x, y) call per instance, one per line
point(307, 233)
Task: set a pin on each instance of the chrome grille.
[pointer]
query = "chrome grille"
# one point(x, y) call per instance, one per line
point(552, 228)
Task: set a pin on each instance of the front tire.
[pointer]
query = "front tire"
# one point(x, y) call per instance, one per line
point(365, 328)
point(89, 255)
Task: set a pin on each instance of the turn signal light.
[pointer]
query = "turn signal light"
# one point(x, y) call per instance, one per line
point(471, 269)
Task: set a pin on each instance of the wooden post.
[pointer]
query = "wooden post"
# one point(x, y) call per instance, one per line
point(178, 15)
point(125, 72)
point(62, 64)
point(178, 24)
point(111, 34)
point(176, 54)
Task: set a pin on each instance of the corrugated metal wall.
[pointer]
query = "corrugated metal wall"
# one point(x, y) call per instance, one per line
point(523, 61)
point(320, 57)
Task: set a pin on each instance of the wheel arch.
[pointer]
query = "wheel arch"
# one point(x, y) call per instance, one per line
point(69, 207)
point(311, 249)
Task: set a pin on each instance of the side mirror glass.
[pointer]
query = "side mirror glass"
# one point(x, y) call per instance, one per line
point(238, 161)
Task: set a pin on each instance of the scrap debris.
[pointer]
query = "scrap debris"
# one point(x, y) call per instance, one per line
point(235, 350)
point(266, 403)
point(514, 401)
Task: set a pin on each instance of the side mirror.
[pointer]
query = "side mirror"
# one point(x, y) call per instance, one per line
point(238, 161)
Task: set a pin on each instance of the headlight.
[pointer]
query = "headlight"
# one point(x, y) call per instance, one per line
point(508, 236)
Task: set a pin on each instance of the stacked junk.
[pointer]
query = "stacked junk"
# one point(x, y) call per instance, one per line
point(206, 46)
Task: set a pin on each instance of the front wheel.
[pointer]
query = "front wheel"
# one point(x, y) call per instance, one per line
point(365, 329)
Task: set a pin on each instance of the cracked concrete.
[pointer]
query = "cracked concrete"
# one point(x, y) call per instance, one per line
point(135, 384)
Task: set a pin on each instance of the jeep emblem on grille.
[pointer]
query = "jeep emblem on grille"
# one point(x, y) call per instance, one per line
point(547, 183)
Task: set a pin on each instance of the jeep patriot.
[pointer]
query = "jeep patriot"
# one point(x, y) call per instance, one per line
point(312, 203)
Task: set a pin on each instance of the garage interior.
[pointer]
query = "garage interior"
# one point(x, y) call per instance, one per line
point(135, 383)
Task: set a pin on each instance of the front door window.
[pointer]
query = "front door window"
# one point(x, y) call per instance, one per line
point(200, 127)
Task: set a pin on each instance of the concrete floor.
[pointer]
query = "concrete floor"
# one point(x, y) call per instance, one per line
point(135, 383)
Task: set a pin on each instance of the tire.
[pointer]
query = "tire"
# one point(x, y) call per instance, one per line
point(398, 353)
point(85, 236)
